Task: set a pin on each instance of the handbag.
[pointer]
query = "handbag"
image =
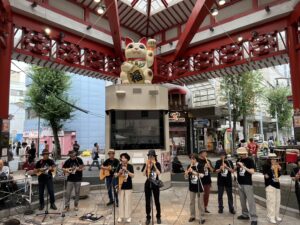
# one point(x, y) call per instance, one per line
point(157, 183)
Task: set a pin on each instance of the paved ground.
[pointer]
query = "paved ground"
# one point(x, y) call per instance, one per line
point(175, 211)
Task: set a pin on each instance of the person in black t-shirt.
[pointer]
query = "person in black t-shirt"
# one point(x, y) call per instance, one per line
point(295, 174)
point(206, 180)
point(73, 168)
point(111, 164)
point(245, 169)
point(152, 170)
point(271, 171)
point(224, 168)
point(45, 168)
point(125, 175)
point(76, 147)
point(194, 172)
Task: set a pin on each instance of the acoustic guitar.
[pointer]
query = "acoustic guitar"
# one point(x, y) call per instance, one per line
point(104, 173)
point(45, 170)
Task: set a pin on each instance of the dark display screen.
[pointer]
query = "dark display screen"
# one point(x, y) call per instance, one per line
point(137, 129)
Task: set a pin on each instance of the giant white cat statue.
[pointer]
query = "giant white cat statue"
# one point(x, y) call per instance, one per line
point(139, 58)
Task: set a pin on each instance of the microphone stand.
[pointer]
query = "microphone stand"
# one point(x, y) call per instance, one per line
point(46, 213)
point(151, 197)
point(199, 193)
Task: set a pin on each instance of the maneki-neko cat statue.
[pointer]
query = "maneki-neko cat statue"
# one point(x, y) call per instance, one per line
point(139, 59)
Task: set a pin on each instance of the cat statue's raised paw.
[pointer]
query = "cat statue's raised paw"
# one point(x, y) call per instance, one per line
point(139, 58)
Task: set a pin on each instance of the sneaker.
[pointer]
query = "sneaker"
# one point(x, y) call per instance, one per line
point(41, 207)
point(109, 203)
point(279, 219)
point(67, 208)
point(148, 221)
point(202, 221)
point(191, 219)
point(242, 217)
point(158, 221)
point(128, 220)
point(76, 208)
point(207, 210)
point(53, 206)
point(220, 211)
point(119, 220)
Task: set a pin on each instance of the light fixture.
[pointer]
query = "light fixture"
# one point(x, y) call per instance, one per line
point(214, 11)
point(211, 29)
point(254, 34)
point(267, 8)
point(221, 2)
point(47, 30)
point(101, 10)
point(34, 4)
point(89, 27)
point(240, 38)
point(97, 1)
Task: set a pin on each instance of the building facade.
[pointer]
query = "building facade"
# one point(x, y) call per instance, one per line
point(86, 128)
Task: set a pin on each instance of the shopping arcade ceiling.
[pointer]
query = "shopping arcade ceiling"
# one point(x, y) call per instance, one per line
point(264, 43)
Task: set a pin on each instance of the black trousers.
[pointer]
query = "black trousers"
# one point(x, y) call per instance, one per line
point(49, 184)
point(229, 196)
point(297, 191)
point(148, 192)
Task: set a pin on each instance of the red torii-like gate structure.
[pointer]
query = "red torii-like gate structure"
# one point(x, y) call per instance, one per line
point(273, 42)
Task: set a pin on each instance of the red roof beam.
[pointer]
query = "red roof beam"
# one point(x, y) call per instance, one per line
point(165, 3)
point(148, 15)
point(114, 24)
point(133, 3)
point(197, 16)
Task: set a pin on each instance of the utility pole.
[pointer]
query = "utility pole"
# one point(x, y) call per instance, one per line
point(277, 132)
point(229, 112)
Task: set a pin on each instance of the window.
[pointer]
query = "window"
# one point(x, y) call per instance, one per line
point(137, 130)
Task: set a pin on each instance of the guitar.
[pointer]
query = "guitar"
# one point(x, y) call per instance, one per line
point(45, 170)
point(105, 173)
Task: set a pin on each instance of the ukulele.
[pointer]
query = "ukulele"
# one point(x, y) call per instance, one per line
point(45, 170)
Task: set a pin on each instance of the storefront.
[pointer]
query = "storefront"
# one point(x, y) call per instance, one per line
point(66, 138)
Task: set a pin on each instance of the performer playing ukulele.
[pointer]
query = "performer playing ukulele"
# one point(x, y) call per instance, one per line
point(45, 168)
point(73, 168)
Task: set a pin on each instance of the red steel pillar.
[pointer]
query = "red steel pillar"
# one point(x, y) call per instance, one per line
point(294, 57)
point(6, 46)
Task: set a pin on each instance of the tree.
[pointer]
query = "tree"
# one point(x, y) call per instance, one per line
point(47, 97)
point(277, 101)
point(241, 91)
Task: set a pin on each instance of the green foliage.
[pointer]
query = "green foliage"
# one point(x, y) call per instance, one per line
point(48, 86)
point(243, 91)
point(277, 100)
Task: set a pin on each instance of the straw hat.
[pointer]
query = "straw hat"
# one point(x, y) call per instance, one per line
point(272, 156)
point(241, 151)
point(110, 151)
